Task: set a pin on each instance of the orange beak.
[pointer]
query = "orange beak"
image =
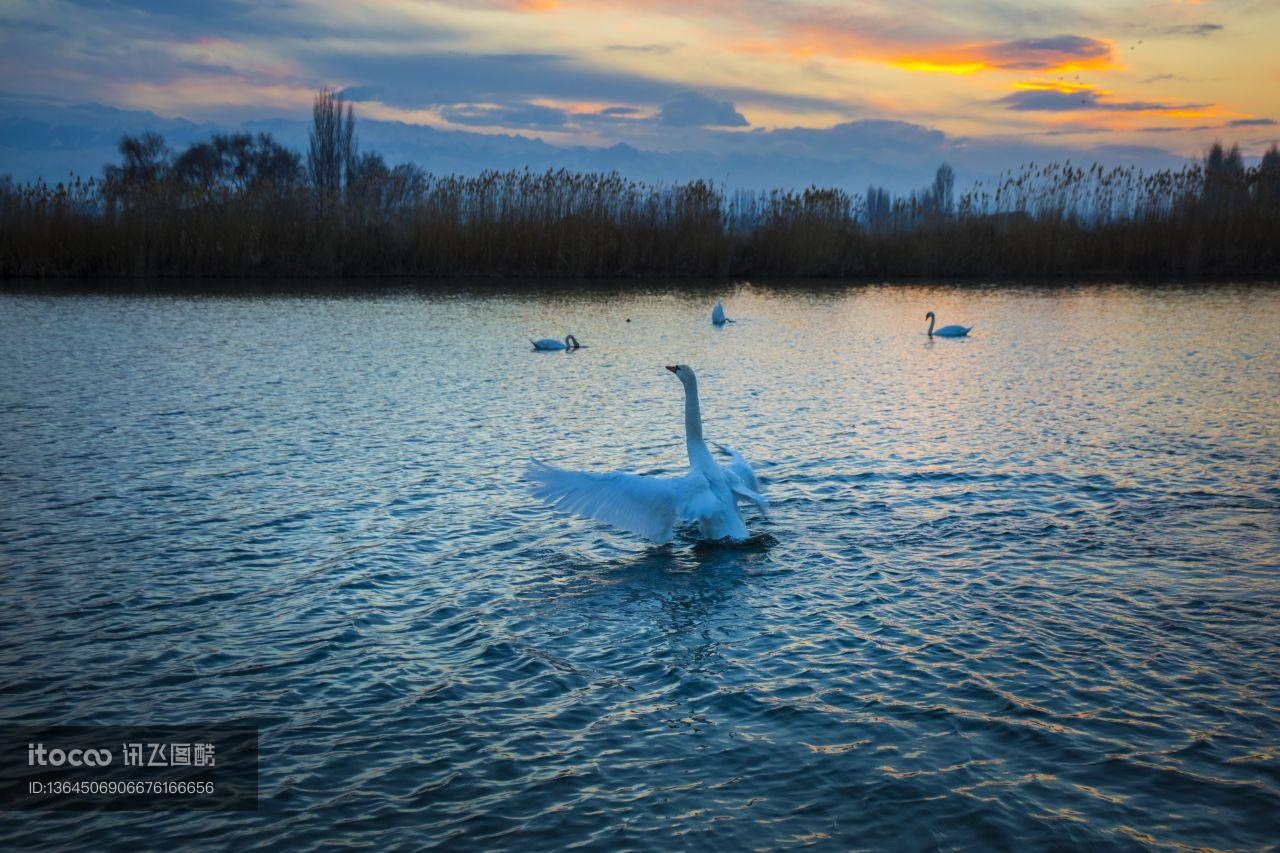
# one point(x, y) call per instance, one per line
point(672, 367)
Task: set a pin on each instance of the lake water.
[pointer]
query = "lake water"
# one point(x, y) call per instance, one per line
point(1021, 589)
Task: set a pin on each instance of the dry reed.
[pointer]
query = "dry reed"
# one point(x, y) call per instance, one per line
point(245, 207)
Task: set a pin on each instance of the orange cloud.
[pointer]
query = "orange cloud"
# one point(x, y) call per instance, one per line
point(940, 66)
point(1055, 54)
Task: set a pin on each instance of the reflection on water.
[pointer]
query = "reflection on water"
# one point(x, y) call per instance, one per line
point(1019, 588)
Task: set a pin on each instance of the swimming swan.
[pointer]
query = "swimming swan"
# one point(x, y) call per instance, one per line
point(717, 315)
point(650, 506)
point(569, 342)
point(946, 331)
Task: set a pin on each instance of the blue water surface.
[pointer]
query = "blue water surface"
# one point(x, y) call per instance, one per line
point(1019, 590)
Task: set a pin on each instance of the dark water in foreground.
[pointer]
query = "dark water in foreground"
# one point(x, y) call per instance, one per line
point(1024, 588)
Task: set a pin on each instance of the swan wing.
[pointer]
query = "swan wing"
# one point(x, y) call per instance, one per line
point(742, 492)
point(740, 469)
point(751, 497)
point(644, 505)
point(742, 480)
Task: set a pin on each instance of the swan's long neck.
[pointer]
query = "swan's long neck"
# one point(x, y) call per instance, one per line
point(699, 455)
point(692, 412)
point(931, 319)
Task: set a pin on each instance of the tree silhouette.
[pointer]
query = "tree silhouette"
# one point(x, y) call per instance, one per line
point(944, 182)
point(146, 160)
point(239, 204)
point(879, 208)
point(1223, 180)
point(1267, 185)
point(239, 161)
point(331, 156)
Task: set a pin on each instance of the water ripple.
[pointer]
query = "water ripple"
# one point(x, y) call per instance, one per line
point(1019, 590)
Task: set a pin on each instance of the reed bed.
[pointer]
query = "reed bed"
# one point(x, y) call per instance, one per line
point(242, 206)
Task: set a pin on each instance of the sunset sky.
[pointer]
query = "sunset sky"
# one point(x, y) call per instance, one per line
point(661, 73)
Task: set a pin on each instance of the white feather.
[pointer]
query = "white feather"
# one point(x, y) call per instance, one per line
point(740, 468)
point(645, 506)
point(742, 479)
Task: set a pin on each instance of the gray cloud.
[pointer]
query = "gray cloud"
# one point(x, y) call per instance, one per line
point(364, 93)
point(180, 16)
point(1205, 29)
point(430, 79)
point(505, 115)
point(642, 48)
point(693, 109)
point(1032, 54)
point(1133, 154)
point(1179, 129)
point(1051, 100)
point(525, 58)
point(35, 27)
point(1240, 122)
point(878, 138)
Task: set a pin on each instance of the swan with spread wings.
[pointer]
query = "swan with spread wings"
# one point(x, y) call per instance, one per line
point(651, 506)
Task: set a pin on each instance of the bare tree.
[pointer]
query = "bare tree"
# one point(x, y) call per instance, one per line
point(238, 161)
point(944, 183)
point(146, 160)
point(331, 158)
point(1268, 180)
point(879, 208)
point(1223, 179)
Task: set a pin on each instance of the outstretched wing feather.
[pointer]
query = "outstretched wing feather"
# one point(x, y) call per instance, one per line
point(742, 480)
point(741, 469)
point(644, 505)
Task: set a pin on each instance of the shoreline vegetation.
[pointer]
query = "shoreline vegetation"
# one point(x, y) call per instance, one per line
point(239, 205)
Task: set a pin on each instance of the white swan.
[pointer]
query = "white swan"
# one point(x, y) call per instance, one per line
point(717, 315)
point(946, 331)
point(569, 342)
point(650, 506)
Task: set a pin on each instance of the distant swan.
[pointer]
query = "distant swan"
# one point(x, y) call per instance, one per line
point(717, 315)
point(650, 506)
point(569, 342)
point(946, 331)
